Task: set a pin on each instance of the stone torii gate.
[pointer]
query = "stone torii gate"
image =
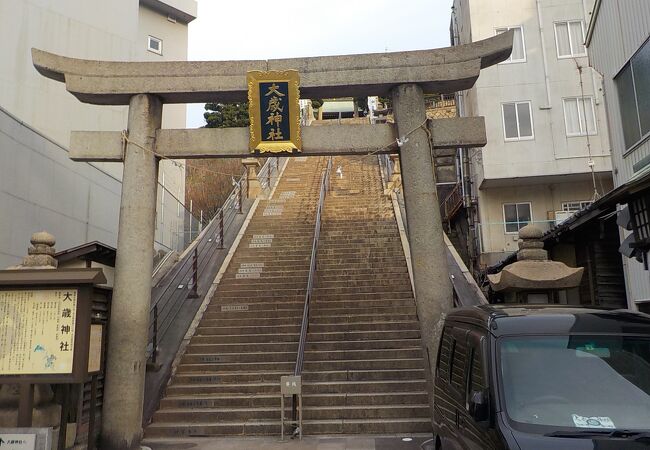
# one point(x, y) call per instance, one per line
point(146, 86)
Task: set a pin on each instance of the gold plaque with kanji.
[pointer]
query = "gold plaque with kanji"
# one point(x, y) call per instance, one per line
point(274, 111)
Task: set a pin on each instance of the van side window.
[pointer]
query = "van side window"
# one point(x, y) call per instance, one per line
point(444, 354)
point(475, 377)
point(458, 362)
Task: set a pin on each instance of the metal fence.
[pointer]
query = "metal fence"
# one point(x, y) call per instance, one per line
point(182, 281)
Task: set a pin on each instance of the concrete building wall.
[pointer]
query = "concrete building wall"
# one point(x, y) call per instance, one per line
point(76, 28)
point(620, 28)
point(84, 29)
point(545, 199)
point(550, 165)
point(41, 188)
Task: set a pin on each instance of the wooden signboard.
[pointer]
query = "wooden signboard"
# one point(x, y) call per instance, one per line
point(37, 331)
point(45, 326)
point(274, 111)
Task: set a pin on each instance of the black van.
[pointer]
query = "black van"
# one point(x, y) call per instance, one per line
point(543, 377)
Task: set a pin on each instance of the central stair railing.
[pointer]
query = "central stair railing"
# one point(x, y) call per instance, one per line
point(300, 357)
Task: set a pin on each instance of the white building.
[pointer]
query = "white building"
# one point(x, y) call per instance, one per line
point(619, 48)
point(40, 188)
point(545, 119)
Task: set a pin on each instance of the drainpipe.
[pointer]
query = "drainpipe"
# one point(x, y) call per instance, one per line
point(544, 56)
point(461, 159)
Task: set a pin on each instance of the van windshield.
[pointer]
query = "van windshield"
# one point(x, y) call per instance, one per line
point(577, 381)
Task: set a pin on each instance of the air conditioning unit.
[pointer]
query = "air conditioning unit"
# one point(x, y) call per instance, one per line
point(561, 216)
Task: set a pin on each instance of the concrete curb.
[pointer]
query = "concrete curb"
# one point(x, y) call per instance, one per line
point(403, 237)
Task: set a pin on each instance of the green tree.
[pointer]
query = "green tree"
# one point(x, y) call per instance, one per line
point(224, 115)
point(362, 105)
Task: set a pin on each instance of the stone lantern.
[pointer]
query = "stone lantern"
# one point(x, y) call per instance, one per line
point(533, 278)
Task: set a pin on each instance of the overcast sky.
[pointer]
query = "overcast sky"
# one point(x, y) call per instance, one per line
point(256, 29)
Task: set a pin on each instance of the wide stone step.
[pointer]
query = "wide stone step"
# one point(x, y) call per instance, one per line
point(231, 284)
point(254, 293)
point(327, 304)
point(325, 295)
point(362, 344)
point(376, 229)
point(370, 262)
point(356, 318)
point(234, 388)
point(316, 400)
point(290, 273)
point(331, 272)
point(377, 285)
point(363, 335)
point(369, 243)
point(366, 265)
point(253, 329)
point(228, 299)
point(253, 428)
point(246, 338)
point(273, 263)
point(359, 336)
point(364, 375)
point(294, 319)
point(195, 348)
point(318, 310)
point(363, 326)
point(230, 377)
point(329, 387)
point(214, 415)
point(371, 353)
point(253, 315)
point(310, 413)
point(309, 366)
point(351, 254)
point(285, 366)
point(267, 357)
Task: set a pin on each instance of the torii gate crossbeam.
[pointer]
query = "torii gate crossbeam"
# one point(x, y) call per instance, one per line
point(146, 86)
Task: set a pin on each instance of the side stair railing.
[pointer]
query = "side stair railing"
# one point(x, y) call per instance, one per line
point(452, 204)
point(304, 328)
point(466, 291)
point(181, 283)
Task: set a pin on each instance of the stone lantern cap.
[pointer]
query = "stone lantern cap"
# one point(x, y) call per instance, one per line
point(533, 270)
point(40, 255)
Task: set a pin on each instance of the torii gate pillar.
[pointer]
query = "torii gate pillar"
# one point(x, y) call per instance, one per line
point(433, 291)
point(129, 327)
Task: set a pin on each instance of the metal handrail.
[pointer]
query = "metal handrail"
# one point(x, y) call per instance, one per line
point(324, 188)
point(452, 203)
point(193, 263)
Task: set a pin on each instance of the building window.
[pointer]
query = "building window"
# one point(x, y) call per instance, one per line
point(518, 45)
point(154, 45)
point(517, 121)
point(570, 39)
point(579, 116)
point(576, 206)
point(633, 86)
point(516, 216)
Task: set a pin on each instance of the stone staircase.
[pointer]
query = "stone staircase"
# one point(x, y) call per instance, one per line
point(228, 380)
point(363, 370)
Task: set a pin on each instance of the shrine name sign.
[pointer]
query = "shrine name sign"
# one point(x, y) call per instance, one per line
point(45, 325)
point(274, 111)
